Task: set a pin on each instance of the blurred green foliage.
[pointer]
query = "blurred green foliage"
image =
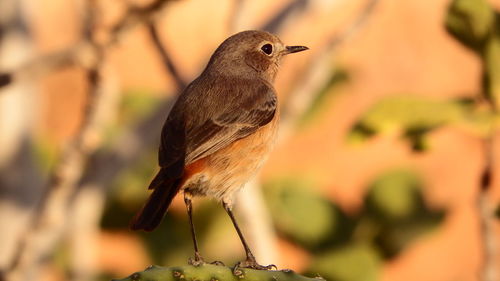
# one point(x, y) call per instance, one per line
point(413, 117)
point(491, 79)
point(305, 217)
point(396, 205)
point(394, 197)
point(476, 25)
point(351, 262)
point(470, 21)
point(353, 247)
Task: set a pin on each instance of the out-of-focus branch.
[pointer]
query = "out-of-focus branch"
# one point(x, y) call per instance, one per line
point(40, 66)
point(5, 79)
point(235, 19)
point(20, 179)
point(285, 15)
point(105, 166)
point(475, 25)
point(354, 26)
point(486, 210)
point(317, 73)
point(136, 15)
point(79, 53)
point(165, 57)
point(486, 213)
point(49, 218)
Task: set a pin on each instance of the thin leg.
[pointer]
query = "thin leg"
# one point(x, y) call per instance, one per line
point(198, 260)
point(250, 262)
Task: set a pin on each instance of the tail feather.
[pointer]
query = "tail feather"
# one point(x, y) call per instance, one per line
point(158, 202)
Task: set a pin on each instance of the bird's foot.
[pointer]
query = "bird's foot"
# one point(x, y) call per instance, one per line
point(197, 260)
point(251, 263)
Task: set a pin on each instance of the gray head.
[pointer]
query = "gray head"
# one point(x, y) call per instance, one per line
point(251, 52)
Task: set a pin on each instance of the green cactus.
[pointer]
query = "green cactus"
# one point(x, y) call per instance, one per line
point(209, 272)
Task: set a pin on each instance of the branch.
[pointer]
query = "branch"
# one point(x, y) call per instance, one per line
point(5, 79)
point(49, 218)
point(235, 19)
point(136, 15)
point(105, 166)
point(82, 52)
point(486, 211)
point(283, 17)
point(165, 57)
point(79, 54)
point(317, 74)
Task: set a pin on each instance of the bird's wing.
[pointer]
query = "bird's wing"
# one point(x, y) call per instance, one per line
point(250, 105)
point(172, 151)
point(233, 123)
point(207, 119)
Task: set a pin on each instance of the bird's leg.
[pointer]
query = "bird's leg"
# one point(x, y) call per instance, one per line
point(250, 261)
point(197, 260)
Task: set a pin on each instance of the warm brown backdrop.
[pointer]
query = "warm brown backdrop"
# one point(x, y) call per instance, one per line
point(402, 49)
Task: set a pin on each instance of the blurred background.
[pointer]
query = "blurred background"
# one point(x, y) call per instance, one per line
point(385, 168)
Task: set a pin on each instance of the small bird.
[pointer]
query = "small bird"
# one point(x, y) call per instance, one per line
point(219, 131)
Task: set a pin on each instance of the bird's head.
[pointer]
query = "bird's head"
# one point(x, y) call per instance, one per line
point(251, 52)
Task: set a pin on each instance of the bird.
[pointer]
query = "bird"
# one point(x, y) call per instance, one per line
point(219, 132)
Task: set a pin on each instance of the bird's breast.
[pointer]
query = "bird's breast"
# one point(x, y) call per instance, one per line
point(228, 169)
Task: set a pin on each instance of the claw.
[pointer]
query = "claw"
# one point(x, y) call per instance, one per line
point(196, 261)
point(252, 263)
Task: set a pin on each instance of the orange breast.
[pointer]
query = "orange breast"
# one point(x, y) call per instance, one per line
point(225, 171)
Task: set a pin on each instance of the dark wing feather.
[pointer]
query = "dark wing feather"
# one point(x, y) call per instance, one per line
point(171, 154)
point(253, 106)
point(212, 114)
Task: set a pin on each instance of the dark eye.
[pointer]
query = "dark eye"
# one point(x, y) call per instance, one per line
point(267, 49)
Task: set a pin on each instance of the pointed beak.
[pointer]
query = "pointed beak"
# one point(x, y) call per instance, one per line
point(295, 49)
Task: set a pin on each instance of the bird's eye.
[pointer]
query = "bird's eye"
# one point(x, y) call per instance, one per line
point(267, 49)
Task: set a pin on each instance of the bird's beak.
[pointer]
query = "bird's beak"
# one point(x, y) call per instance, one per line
point(294, 49)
